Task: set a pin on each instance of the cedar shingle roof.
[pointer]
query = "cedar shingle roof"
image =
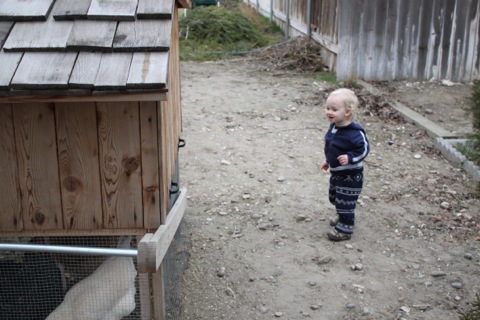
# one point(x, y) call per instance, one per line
point(87, 45)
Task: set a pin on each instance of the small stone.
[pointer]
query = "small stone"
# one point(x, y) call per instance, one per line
point(405, 309)
point(255, 216)
point(348, 246)
point(301, 217)
point(278, 314)
point(263, 309)
point(265, 226)
point(315, 307)
point(438, 273)
point(225, 162)
point(323, 260)
point(357, 267)
point(457, 298)
point(246, 196)
point(350, 306)
point(280, 178)
point(221, 272)
point(468, 256)
point(417, 156)
point(222, 213)
point(312, 283)
point(457, 285)
point(445, 205)
point(428, 111)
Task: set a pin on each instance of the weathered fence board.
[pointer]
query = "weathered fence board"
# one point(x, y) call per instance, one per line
point(71, 9)
point(387, 39)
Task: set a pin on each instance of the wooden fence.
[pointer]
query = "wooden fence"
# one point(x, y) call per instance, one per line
point(386, 39)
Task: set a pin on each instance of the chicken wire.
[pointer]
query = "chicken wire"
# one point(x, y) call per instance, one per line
point(42, 285)
point(174, 264)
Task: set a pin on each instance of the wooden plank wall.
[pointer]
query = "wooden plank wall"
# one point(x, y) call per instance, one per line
point(90, 167)
point(388, 39)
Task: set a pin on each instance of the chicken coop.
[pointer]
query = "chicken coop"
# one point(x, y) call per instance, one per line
point(90, 128)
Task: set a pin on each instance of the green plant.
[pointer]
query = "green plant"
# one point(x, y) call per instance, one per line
point(210, 33)
point(474, 312)
point(329, 77)
point(474, 110)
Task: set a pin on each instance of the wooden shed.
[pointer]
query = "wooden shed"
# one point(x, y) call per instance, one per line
point(90, 121)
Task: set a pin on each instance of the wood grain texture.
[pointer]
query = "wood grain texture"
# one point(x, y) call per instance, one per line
point(154, 9)
point(85, 70)
point(78, 165)
point(37, 166)
point(148, 70)
point(150, 170)
point(8, 66)
point(5, 27)
point(112, 9)
point(139, 35)
point(92, 35)
point(113, 70)
point(120, 164)
point(54, 72)
point(10, 206)
point(18, 10)
point(35, 36)
point(70, 9)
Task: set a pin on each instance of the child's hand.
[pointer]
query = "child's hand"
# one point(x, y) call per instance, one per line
point(343, 159)
point(324, 166)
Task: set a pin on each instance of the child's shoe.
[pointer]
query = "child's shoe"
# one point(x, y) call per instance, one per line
point(336, 235)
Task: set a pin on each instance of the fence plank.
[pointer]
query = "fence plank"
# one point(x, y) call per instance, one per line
point(71, 9)
point(113, 10)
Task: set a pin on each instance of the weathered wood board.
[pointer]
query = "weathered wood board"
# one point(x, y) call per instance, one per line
point(154, 9)
point(5, 27)
point(37, 166)
point(113, 70)
point(78, 165)
point(7, 69)
point(36, 36)
point(120, 164)
point(55, 70)
point(148, 69)
point(85, 70)
point(92, 35)
point(17, 10)
point(10, 206)
point(138, 35)
point(114, 10)
point(70, 9)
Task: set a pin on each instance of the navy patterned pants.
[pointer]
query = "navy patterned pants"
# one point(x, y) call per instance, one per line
point(344, 190)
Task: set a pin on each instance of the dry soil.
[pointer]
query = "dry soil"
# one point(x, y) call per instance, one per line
point(258, 211)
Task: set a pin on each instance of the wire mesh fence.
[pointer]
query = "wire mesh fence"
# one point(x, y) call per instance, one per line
point(44, 285)
point(38, 285)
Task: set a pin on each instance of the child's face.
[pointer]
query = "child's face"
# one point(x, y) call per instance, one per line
point(336, 111)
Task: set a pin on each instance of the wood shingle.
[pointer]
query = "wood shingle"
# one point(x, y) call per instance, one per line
point(93, 45)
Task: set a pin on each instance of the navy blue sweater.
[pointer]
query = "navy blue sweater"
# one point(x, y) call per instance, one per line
point(350, 140)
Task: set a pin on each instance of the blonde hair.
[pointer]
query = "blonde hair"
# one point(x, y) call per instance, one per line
point(349, 98)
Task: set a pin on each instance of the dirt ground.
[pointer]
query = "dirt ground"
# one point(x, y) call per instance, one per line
point(258, 210)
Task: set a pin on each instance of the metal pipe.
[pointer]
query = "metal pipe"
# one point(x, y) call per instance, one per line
point(121, 252)
point(309, 18)
point(287, 22)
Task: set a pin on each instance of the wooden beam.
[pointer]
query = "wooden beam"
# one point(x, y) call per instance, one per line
point(99, 97)
point(185, 4)
point(155, 246)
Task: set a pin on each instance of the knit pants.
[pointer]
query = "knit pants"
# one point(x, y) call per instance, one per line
point(344, 190)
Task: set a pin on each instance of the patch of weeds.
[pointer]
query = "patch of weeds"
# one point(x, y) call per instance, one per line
point(474, 312)
point(329, 77)
point(471, 150)
point(211, 33)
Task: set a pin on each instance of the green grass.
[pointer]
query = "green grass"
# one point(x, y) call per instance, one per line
point(211, 33)
point(470, 150)
point(329, 77)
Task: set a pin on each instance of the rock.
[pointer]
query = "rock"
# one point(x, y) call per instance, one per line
point(350, 306)
point(357, 267)
point(280, 178)
point(445, 205)
point(265, 226)
point(221, 272)
point(348, 246)
point(428, 111)
point(278, 314)
point(315, 307)
point(322, 260)
point(255, 216)
point(417, 156)
point(225, 162)
point(300, 217)
point(438, 273)
point(457, 285)
point(468, 256)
